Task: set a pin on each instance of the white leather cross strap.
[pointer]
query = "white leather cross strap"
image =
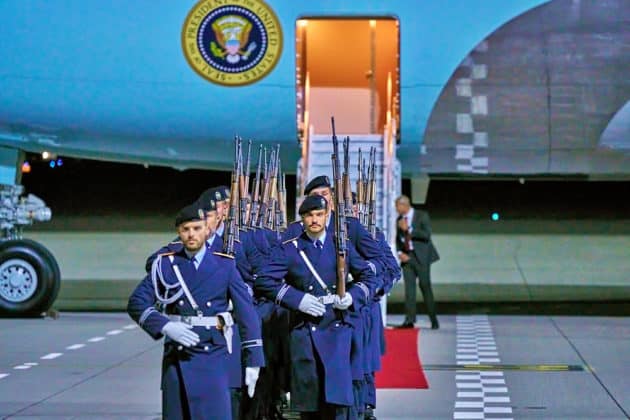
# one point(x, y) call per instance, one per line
point(182, 283)
point(311, 268)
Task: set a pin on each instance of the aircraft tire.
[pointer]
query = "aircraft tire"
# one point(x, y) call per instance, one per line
point(29, 278)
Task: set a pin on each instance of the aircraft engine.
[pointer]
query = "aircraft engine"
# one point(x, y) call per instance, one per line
point(29, 274)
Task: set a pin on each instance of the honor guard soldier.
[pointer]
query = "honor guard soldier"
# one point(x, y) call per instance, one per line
point(193, 286)
point(320, 337)
point(369, 250)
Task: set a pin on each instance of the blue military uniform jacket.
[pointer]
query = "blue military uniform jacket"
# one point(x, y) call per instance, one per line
point(201, 371)
point(329, 335)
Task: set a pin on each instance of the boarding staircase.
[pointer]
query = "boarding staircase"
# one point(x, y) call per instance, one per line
point(317, 161)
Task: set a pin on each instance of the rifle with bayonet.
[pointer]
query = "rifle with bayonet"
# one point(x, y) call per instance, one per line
point(230, 234)
point(244, 187)
point(264, 199)
point(272, 199)
point(360, 190)
point(282, 201)
point(347, 189)
point(253, 214)
point(340, 216)
point(372, 194)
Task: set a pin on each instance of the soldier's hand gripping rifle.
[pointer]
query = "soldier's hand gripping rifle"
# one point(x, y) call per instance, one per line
point(231, 227)
point(340, 216)
point(372, 194)
point(244, 187)
point(347, 189)
point(253, 214)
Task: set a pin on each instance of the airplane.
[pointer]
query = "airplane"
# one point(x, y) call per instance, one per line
point(467, 89)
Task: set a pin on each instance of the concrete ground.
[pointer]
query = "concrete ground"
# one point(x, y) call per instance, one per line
point(102, 366)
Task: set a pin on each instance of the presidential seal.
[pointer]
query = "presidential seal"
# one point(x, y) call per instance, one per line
point(233, 42)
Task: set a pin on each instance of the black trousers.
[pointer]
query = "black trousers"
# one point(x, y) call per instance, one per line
point(412, 270)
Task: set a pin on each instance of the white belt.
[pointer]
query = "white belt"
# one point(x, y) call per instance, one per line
point(224, 322)
point(197, 321)
point(326, 299)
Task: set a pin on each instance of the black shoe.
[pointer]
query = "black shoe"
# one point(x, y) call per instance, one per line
point(369, 414)
point(406, 324)
point(435, 324)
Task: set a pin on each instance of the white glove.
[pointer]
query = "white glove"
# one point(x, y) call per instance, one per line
point(310, 305)
point(344, 302)
point(181, 332)
point(251, 376)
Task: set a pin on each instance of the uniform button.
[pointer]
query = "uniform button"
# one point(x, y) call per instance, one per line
point(180, 348)
point(310, 287)
point(314, 328)
point(334, 287)
point(205, 348)
point(181, 303)
point(208, 304)
point(337, 324)
point(207, 327)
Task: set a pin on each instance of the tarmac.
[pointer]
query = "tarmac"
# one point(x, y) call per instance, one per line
point(102, 366)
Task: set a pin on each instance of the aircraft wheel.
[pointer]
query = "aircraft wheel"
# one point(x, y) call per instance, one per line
point(29, 278)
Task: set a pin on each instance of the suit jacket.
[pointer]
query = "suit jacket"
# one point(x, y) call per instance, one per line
point(420, 236)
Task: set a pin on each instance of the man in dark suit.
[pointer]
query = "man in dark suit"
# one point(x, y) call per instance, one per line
point(416, 253)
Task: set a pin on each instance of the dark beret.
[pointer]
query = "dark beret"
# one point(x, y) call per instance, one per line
point(312, 202)
point(224, 191)
point(207, 202)
point(190, 213)
point(317, 182)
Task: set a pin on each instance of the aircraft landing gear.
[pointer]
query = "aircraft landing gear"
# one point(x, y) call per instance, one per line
point(29, 274)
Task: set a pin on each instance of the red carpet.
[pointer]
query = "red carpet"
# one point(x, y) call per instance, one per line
point(400, 366)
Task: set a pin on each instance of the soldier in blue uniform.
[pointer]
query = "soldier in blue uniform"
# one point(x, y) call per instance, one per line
point(373, 319)
point(320, 338)
point(369, 250)
point(193, 285)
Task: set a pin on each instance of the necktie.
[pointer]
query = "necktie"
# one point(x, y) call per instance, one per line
point(407, 236)
point(318, 244)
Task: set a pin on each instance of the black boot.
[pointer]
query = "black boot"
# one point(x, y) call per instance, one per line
point(369, 413)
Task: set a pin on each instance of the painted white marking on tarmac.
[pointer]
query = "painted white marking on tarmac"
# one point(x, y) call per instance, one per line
point(476, 345)
point(114, 332)
point(130, 327)
point(75, 346)
point(3, 375)
point(22, 367)
point(51, 356)
point(30, 364)
point(96, 339)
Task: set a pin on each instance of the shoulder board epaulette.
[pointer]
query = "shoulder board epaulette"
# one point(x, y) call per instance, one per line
point(166, 254)
point(221, 254)
point(289, 240)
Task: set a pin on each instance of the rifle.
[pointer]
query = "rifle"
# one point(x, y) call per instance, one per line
point(282, 200)
point(347, 190)
point(264, 199)
point(340, 216)
point(372, 194)
point(253, 215)
point(244, 187)
point(231, 228)
point(272, 198)
point(360, 190)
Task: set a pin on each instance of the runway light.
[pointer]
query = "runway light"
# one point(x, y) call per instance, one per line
point(52, 164)
point(45, 155)
point(26, 168)
point(59, 162)
point(495, 216)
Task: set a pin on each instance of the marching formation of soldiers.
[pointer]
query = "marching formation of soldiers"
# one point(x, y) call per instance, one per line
point(254, 309)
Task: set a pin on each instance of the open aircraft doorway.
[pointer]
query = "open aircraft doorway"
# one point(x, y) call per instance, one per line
point(347, 68)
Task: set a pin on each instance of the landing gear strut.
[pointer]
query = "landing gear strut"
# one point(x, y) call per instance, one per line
point(29, 274)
